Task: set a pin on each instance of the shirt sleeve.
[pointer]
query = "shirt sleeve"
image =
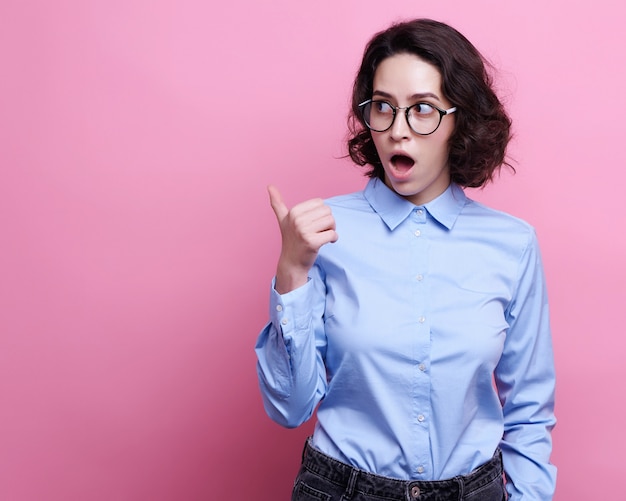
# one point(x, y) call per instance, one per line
point(525, 378)
point(290, 353)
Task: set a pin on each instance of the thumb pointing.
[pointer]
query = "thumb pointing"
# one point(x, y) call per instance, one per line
point(276, 201)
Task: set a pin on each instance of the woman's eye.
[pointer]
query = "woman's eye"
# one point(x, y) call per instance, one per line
point(423, 109)
point(383, 107)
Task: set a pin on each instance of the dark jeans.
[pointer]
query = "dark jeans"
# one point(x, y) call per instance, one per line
point(322, 478)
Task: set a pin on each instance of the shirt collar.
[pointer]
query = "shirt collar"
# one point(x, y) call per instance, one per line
point(393, 209)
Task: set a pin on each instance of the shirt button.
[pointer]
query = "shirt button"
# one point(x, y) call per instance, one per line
point(420, 469)
point(420, 211)
point(421, 418)
point(421, 367)
point(279, 307)
point(417, 233)
point(284, 321)
point(419, 278)
point(422, 320)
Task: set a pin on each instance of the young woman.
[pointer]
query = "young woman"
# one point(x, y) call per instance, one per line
point(422, 330)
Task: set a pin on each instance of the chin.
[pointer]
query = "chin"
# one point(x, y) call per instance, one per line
point(404, 189)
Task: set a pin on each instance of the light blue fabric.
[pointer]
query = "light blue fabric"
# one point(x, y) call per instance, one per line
point(424, 333)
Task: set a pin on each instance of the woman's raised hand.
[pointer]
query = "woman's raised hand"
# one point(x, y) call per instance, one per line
point(304, 229)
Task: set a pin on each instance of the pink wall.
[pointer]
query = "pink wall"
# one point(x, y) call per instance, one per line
point(137, 244)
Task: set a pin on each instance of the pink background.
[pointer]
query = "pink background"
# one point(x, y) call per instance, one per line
point(137, 243)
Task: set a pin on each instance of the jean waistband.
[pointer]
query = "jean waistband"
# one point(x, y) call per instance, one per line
point(390, 488)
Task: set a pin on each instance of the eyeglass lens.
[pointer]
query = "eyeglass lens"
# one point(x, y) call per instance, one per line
point(423, 118)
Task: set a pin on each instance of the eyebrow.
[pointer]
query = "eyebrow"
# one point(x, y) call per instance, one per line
point(418, 95)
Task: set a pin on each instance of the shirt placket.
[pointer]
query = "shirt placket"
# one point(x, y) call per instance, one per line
point(422, 459)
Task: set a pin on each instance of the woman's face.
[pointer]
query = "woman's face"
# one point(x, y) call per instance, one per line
point(416, 166)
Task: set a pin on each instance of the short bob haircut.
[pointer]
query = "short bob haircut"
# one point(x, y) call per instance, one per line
point(482, 127)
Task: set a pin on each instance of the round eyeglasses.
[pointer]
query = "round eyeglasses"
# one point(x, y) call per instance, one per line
point(423, 118)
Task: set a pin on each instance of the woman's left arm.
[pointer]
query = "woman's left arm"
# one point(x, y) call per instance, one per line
point(525, 378)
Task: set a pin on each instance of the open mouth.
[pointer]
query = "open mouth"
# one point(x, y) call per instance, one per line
point(402, 162)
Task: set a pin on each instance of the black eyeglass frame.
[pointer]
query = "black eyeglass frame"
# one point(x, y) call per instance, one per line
point(442, 113)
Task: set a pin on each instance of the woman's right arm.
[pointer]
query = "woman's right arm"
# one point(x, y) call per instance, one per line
point(290, 348)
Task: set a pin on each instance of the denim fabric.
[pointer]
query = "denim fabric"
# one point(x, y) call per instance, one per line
point(322, 478)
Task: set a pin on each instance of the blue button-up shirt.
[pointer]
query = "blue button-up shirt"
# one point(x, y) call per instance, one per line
point(423, 335)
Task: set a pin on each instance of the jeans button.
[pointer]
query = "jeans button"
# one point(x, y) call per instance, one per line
point(415, 491)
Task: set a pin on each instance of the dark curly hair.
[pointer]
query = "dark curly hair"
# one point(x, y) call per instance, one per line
point(482, 127)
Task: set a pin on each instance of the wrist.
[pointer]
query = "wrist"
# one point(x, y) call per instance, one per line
point(290, 278)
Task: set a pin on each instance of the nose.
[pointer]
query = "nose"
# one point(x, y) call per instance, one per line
point(400, 128)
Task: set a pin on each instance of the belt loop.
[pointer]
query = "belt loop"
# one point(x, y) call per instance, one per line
point(354, 474)
point(304, 450)
point(461, 482)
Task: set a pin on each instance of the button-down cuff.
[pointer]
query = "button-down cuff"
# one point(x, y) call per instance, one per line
point(291, 311)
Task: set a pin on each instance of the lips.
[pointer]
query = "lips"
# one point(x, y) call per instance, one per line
point(401, 164)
